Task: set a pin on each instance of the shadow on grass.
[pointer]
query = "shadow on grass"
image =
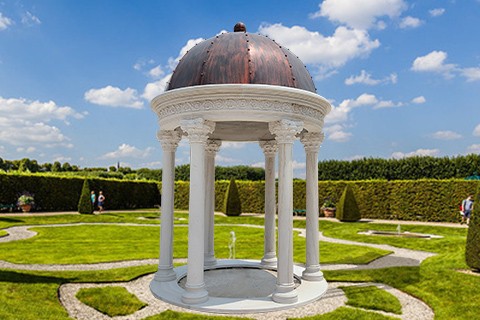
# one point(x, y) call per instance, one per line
point(2, 219)
point(18, 277)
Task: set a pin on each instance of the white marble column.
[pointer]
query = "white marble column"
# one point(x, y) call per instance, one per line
point(311, 141)
point(269, 253)
point(210, 151)
point(285, 132)
point(169, 140)
point(197, 134)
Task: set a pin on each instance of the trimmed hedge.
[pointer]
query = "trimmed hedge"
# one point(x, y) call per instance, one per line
point(472, 249)
point(85, 204)
point(421, 200)
point(63, 194)
point(347, 208)
point(232, 205)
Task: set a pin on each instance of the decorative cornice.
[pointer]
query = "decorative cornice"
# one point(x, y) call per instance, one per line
point(197, 129)
point(169, 139)
point(312, 140)
point(269, 147)
point(285, 130)
point(212, 147)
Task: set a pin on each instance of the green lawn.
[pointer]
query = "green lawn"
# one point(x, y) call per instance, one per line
point(33, 294)
point(373, 298)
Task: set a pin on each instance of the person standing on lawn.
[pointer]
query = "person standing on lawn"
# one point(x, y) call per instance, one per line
point(101, 201)
point(93, 198)
point(467, 208)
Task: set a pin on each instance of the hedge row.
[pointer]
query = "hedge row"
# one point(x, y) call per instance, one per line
point(423, 200)
point(62, 194)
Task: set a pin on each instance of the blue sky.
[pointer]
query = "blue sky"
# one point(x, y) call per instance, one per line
point(76, 77)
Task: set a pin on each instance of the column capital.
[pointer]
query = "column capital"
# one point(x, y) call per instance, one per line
point(269, 147)
point(197, 129)
point(312, 140)
point(169, 139)
point(212, 146)
point(285, 130)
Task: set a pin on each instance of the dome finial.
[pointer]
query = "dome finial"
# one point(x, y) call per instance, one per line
point(240, 27)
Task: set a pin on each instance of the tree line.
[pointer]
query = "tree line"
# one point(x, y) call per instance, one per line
point(411, 168)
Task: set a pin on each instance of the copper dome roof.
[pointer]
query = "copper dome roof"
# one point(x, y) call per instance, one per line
point(241, 58)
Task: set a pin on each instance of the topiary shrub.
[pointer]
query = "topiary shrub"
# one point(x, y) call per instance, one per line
point(232, 205)
point(472, 250)
point(347, 208)
point(85, 205)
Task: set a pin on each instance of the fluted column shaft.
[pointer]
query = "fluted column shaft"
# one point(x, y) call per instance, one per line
point(197, 130)
point(285, 132)
point(269, 252)
point(311, 142)
point(169, 141)
point(211, 150)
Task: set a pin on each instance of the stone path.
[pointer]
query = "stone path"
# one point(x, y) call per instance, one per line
point(412, 308)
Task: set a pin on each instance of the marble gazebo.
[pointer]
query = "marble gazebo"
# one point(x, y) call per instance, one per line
point(240, 87)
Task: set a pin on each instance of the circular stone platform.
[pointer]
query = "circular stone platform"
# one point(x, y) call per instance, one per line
point(236, 286)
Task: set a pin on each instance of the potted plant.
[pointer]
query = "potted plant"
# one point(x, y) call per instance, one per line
point(26, 201)
point(328, 208)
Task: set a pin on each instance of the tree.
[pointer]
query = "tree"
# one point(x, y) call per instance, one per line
point(232, 205)
point(472, 250)
point(347, 208)
point(57, 167)
point(85, 205)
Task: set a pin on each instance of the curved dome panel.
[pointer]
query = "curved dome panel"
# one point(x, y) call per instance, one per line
point(241, 58)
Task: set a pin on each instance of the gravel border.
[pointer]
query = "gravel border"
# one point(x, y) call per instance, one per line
point(412, 308)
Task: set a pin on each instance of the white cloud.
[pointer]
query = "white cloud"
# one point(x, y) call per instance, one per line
point(29, 19)
point(23, 132)
point(258, 164)
point(314, 48)
point(472, 74)
point(337, 133)
point(434, 62)
point(221, 159)
point(20, 108)
point(366, 78)
point(62, 159)
point(387, 104)
point(437, 12)
point(114, 97)
point(476, 131)
point(127, 151)
point(25, 123)
point(419, 153)
point(156, 72)
point(5, 22)
point(446, 135)
point(233, 145)
point(410, 22)
point(26, 150)
point(419, 100)
point(362, 16)
point(298, 165)
point(153, 89)
point(474, 148)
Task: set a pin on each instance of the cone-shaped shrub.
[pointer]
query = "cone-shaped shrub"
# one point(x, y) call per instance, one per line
point(472, 250)
point(232, 205)
point(347, 208)
point(85, 205)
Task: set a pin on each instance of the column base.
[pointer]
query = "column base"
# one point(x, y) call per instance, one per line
point(285, 297)
point(269, 260)
point(312, 273)
point(209, 260)
point(165, 275)
point(195, 295)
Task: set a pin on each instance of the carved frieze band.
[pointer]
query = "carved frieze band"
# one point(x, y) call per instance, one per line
point(269, 147)
point(197, 129)
point(285, 131)
point(239, 105)
point(312, 140)
point(169, 139)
